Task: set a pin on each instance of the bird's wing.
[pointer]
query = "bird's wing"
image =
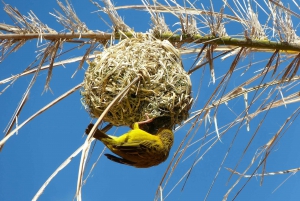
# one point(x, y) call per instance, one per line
point(135, 148)
point(119, 160)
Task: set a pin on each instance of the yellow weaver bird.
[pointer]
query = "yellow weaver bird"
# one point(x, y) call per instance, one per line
point(137, 147)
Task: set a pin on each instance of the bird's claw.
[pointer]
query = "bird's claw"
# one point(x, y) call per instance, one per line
point(148, 120)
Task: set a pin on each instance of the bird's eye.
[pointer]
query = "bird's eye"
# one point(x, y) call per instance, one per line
point(132, 95)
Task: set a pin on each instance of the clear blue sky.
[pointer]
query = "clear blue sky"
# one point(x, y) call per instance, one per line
point(30, 157)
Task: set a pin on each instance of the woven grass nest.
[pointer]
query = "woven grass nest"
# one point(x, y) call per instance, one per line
point(164, 89)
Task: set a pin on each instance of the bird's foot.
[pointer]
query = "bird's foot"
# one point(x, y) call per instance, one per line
point(136, 124)
point(148, 120)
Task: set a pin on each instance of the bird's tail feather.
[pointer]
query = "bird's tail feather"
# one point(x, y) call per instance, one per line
point(99, 135)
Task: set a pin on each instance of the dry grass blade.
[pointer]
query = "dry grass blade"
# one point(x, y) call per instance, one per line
point(290, 99)
point(198, 66)
point(52, 59)
point(188, 25)
point(236, 60)
point(7, 46)
point(159, 25)
point(198, 59)
point(187, 175)
point(272, 142)
point(293, 98)
point(176, 9)
point(265, 173)
point(9, 28)
point(26, 24)
point(164, 180)
point(267, 148)
point(283, 23)
point(215, 23)
point(277, 56)
point(71, 21)
point(13, 120)
point(210, 62)
point(61, 167)
point(5, 88)
point(45, 67)
point(39, 112)
point(256, 130)
point(86, 55)
point(242, 91)
point(196, 161)
point(59, 36)
point(26, 93)
point(109, 9)
point(285, 8)
point(292, 69)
